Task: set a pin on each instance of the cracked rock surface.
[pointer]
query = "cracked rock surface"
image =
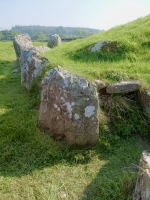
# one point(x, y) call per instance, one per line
point(69, 108)
point(31, 62)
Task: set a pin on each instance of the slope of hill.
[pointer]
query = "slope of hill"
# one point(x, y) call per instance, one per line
point(130, 61)
point(34, 166)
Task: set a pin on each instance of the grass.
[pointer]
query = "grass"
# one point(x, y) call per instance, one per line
point(130, 61)
point(34, 166)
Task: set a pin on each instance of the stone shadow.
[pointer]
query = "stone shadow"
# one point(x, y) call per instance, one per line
point(117, 178)
point(24, 147)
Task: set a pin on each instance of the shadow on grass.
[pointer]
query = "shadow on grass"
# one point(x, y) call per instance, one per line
point(24, 148)
point(117, 178)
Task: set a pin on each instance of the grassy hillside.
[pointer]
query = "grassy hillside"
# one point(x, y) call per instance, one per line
point(33, 166)
point(130, 61)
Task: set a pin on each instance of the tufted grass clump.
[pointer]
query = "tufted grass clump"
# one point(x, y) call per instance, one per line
point(125, 115)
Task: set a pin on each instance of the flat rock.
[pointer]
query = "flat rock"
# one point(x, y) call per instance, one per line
point(123, 87)
point(69, 108)
point(97, 46)
point(142, 188)
point(107, 46)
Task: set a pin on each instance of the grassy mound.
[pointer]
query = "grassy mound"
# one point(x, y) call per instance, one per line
point(129, 61)
point(33, 166)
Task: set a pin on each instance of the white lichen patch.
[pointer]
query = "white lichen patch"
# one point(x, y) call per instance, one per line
point(69, 108)
point(73, 103)
point(62, 99)
point(76, 116)
point(55, 106)
point(89, 111)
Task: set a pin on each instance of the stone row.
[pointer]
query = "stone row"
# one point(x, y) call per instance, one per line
point(69, 103)
point(31, 61)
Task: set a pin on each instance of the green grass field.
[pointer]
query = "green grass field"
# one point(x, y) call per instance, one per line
point(34, 166)
point(131, 60)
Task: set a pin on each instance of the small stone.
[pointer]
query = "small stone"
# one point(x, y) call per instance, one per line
point(63, 195)
point(97, 46)
point(54, 40)
point(107, 46)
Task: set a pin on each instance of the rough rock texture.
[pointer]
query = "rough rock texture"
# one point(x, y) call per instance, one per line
point(42, 48)
point(31, 61)
point(32, 64)
point(69, 108)
point(54, 40)
point(123, 87)
point(142, 189)
point(107, 46)
point(22, 41)
point(145, 100)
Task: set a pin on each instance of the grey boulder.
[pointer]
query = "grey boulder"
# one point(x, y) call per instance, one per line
point(54, 40)
point(69, 108)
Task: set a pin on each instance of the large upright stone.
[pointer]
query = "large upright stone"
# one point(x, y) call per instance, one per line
point(31, 61)
point(22, 41)
point(32, 64)
point(69, 108)
point(54, 40)
point(142, 188)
